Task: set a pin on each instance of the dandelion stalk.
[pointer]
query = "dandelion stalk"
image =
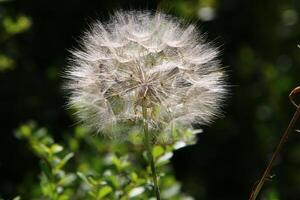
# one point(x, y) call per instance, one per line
point(149, 154)
point(279, 147)
point(139, 61)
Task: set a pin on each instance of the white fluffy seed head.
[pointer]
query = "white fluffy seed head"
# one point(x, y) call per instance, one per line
point(142, 59)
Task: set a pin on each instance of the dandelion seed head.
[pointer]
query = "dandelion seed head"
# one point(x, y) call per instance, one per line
point(142, 59)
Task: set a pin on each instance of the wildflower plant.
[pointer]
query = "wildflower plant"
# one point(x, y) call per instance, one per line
point(82, 168)
point(144, 72)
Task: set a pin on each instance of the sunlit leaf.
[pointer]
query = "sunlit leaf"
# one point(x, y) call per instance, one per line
point(157, 151)
point(55, 148)
point(136, 191)
point(104, 191)
point(6, 63)
point(67, 180)
point(64, 161)
point(164, 159)
point(18, 25)
point(17, 198)
point(84, 178)
point(46, 170)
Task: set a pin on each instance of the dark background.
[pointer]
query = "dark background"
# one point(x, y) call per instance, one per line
point(259, 45)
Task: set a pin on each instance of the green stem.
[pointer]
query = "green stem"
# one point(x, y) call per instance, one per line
point(283, 140)
point(149, 153)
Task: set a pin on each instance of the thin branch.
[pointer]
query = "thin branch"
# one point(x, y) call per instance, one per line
point(279, 147)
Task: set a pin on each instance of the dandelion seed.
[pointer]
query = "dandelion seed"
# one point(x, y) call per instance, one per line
point(142, 59)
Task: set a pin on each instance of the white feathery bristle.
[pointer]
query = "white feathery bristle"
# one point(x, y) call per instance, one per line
point(139, 58)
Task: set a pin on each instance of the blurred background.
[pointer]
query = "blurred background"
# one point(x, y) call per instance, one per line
point(259, 41)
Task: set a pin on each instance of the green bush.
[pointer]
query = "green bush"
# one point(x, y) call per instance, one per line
point(90, 167)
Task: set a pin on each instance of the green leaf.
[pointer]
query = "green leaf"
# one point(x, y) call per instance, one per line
point(20, 24)
point(41, 149)
point(179, 145)
point(6, 63)
point(17, 198)
point(104, 191)
point(83, 177)
point(164, 159)
point(136, 191)
point(117, 162)
point(111, 178)
point(172, 191)
point(55, 148)
point(25, 131)
point(80, 132)
point(67, 180)
point(46, 170)
point(93, 181)
point(134, 177)
point(64, 161)
point(157, 151)
point(271, 194)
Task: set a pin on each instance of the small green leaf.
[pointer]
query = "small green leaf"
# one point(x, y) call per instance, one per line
point(83, 177)
point(133, 176)
point(64, 161)
point(136, 191)
point(41, 149)
point(67, 180)
point(93, 180)
point(46, 170)
point(113, 180)
point(164, 159)
point(80, 132)
point(117, 162)
point(6, 63)
point(15, 26)
point(55, 148)
point(271, 194)
point(157, 151)
point(17, 198)
point(25, 131)
point(179, 145)
point(104, 191)
point(172, 191)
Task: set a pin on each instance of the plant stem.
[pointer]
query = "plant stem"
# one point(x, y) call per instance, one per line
point(149, 153)
point(275, 155)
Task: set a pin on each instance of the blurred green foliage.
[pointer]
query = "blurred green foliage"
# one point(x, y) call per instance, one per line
point(98, 169)
point(10, 26)
point(258, 40)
